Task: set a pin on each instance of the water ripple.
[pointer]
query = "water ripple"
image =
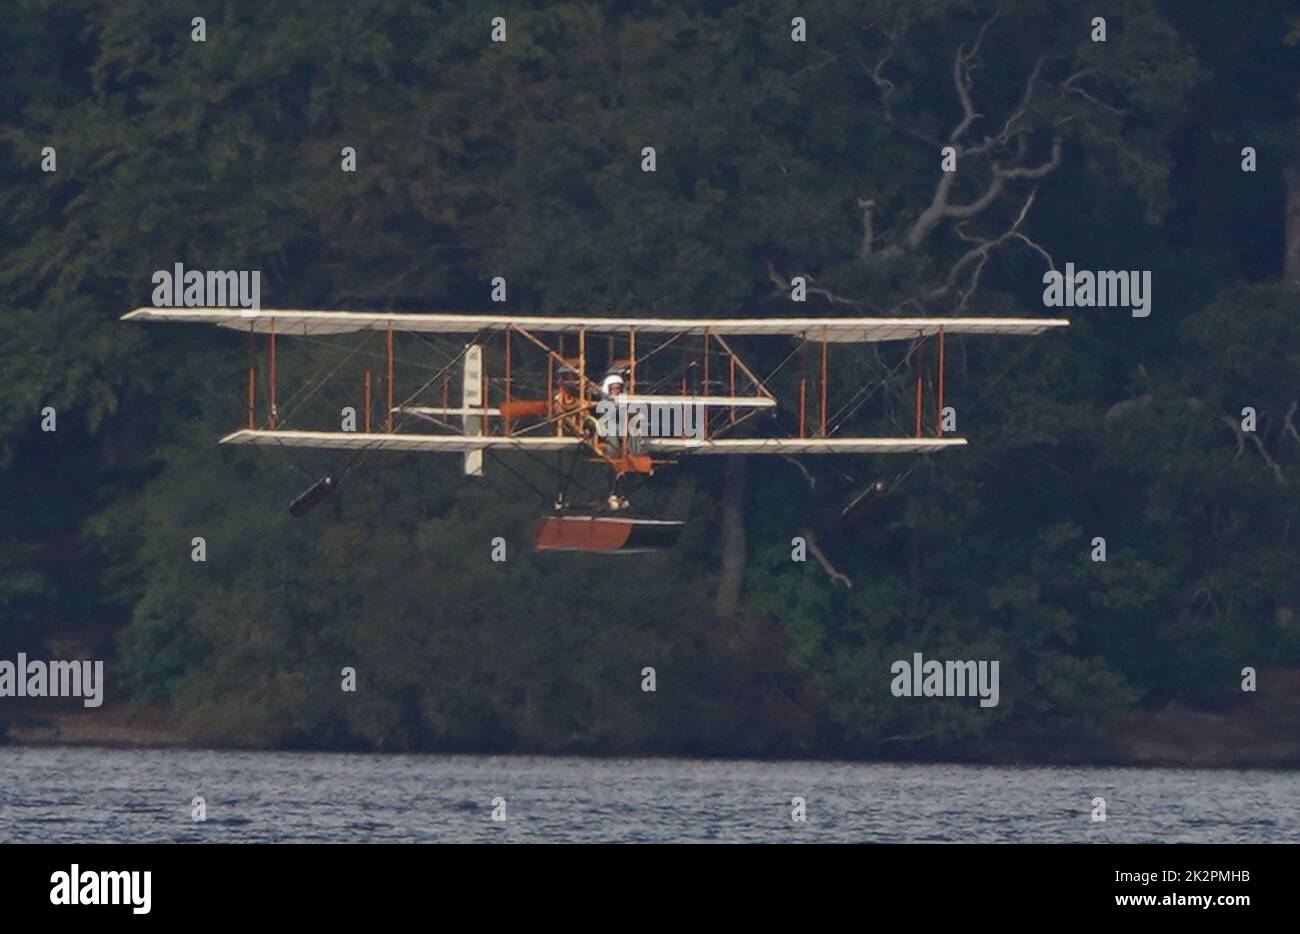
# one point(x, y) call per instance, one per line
point(87, 794)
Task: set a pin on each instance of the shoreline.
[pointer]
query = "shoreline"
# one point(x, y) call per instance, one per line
point(1175, 737)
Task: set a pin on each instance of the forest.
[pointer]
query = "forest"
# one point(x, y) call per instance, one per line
point(793, 140)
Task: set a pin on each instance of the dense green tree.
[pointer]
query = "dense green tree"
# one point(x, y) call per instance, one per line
point(775, 159)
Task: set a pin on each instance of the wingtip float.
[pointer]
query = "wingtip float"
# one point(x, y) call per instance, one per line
point(312, 497)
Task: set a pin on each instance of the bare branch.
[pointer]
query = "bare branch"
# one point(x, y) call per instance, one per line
point(1253, 438)
point(961, 79)
point(1078, 76)
point(812, 482)
point(979, 204)
point(940, 208)
point(962, 66)
point(868, 228)
point(965, 294)
point(1037, 171)
point(1006, 134)
point(931, 216)
point(1241, 440)
point(1070, 87)
point(1039, 249)
point(980, 253)
point(830, 569)
point(783, 285)
point(876, 73)
point(1289, 422)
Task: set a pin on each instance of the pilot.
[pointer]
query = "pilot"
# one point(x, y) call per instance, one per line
point(569, 387)
point(612, 385)
point(610, 388)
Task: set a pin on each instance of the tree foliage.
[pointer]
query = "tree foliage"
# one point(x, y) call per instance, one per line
point(775, 159)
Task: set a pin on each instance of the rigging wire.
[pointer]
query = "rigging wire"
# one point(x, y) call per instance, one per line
point(355, 461)
point(319, 383)
point(859, 399)
point(520, 477)
point(794, 353)
point(1029, 346)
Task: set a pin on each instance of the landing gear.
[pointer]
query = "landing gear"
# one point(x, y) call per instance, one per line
point(616, 501)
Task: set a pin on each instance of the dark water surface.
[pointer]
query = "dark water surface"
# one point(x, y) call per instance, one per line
point(118, 795)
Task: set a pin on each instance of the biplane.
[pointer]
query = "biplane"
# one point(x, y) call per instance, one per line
point(630, 394)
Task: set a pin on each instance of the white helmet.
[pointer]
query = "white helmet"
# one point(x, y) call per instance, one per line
point(613, 382)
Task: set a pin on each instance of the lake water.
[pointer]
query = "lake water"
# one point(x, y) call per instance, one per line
point(117, 795)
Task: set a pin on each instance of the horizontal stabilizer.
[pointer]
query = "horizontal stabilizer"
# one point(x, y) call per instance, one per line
point(442, 410)
point(718, 402)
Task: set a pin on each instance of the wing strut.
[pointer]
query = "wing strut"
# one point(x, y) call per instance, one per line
point(390, 376)
point(938, 429)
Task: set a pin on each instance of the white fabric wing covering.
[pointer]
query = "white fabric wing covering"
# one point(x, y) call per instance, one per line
point(355, 441)
point(833, 330)
point(804, 445)
point(453, 444)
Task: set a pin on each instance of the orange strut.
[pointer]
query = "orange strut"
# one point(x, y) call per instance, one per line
point(582, 367)
point(705, 388)
point(705, 391)
point(939, 428)
point(367, 402)
point(824, 345)
point(631, 352)
point(733, 389)
point(803, 393)
point(390, 376)
point(918, 406)
point(273, 411)
point(550, 388)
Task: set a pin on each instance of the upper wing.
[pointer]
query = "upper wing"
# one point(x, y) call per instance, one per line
point(837, 330)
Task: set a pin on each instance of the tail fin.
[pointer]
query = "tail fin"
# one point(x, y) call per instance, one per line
point(472, 398)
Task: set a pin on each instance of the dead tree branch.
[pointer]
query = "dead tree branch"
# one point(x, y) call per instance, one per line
point(831, 571)
point(1253, 438)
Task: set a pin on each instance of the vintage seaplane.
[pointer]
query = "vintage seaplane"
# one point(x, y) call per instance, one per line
point(666, 388)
